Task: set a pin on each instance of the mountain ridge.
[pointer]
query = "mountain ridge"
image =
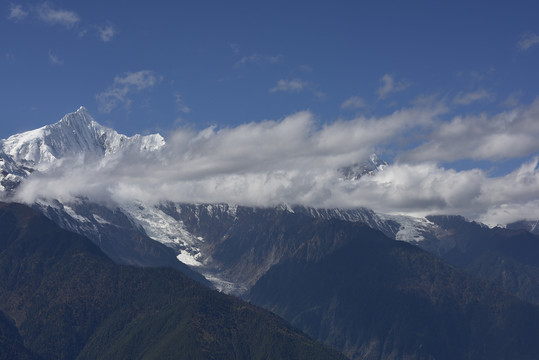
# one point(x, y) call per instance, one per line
point(68, 300)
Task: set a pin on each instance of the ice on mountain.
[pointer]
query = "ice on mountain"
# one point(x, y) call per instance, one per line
point(75, 134)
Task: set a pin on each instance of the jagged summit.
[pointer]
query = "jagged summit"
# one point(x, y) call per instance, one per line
point(367, 167)
point(77, 133)
point(80, 117)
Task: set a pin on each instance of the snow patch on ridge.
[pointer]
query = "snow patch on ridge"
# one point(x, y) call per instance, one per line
point(74, 215)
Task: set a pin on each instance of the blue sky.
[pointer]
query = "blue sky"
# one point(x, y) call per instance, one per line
point(221, 60)
point(470, 67)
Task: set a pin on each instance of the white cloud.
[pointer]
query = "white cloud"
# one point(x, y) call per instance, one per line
point(416, 189)
point(123, 87)
point(106, 32)
point(470, 97)
point(292, 160)
point(55, 59)
point(426, 188)
point(139, 80)
point(48, 14)
point(354, 102)
point(16, 12)
point(512, 197)
point(53, 16)
point(294, 85)
point(503, 214)
point(506, 135)
point(211, 167)
point(390, 86)
point(527, 41)
point(295, 160)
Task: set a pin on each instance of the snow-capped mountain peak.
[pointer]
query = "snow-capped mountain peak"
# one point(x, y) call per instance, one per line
point(75, 134)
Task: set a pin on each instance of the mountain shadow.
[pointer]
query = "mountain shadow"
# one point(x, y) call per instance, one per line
point(62, 298)
point(376, 298)
point(506, 257)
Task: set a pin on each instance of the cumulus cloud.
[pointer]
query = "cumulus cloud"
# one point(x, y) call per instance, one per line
point(527, 41)
point(506, 135)
point(50, 15)
point(123, 87)
point(388, 85)
point(426, 188)
point(417, 189)
point(295, 160)
point(512, 197)
point(16, 12)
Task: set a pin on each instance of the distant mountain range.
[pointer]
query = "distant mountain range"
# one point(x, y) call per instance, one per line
point(337, 274)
